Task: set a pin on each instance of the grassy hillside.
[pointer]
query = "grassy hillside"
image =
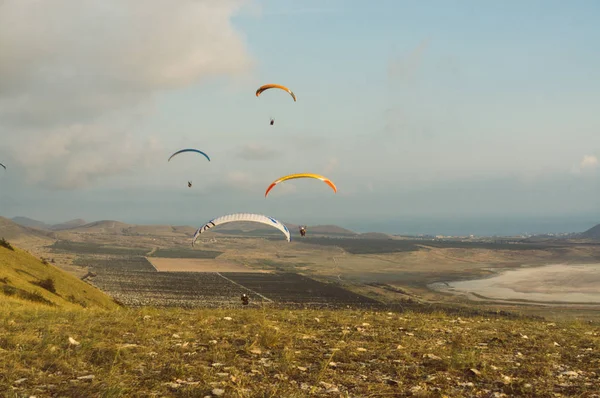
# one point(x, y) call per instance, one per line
point(11, 230)
point(25, 279)
point(283, 353)
point(29, 222)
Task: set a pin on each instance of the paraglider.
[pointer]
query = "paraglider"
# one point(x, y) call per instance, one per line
point(302, 230)
point(258, 218)
point(189, 150)
point(279, 86)
point(272, 122)
point(302, 175)
point(3, 166)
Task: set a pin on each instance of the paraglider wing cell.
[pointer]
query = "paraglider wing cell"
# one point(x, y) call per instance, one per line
point(302, 175)
point(189, 150)
point(243, 217)
point(279, 86)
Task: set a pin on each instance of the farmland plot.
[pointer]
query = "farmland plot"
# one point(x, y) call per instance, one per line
point(181, 289)
point(197, 265)
point(122, 264)
point(295, 288)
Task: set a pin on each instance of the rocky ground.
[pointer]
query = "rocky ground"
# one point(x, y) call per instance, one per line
point(292, 353)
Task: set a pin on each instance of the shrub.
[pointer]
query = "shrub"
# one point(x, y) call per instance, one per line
point(47, 284)
point(6, 244)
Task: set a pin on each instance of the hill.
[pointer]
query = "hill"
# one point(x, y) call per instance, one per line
point(11, 230)
point(327, 230)
point(592, 233)
point(25, 279)
point(375, 235)
point(78, 222)
point(103, 226)
point(29, 222)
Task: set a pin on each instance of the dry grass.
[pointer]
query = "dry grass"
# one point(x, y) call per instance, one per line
point(23, 275)
point(283, 353)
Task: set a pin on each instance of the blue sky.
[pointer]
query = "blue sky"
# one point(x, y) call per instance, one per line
point(418, 111)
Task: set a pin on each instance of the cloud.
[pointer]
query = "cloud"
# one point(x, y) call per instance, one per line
point(331, 165)
point(257, 152)
point(238, 181)
point(587, 163)
point(405, 67)
point(77, 75)
point(75, 156)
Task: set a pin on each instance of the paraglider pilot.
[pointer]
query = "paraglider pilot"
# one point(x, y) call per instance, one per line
point(303, 231)
point(245, 299)
point(189, 184)
point(272, 122)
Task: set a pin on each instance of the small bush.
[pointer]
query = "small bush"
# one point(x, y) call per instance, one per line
point(75, 300)
point(25, 295)
point(9, 290)
point(47, 284)
point(6, 244)
point(4, 280)
point(35, 296)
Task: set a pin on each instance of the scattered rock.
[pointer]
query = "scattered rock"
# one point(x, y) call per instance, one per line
point(360, 349)
point(571, 374)
point(256, 351)
point(475, 372)
point(392, 382)
point(87, 377)
point(302, 368)
point(19, 381)
point(228, 318)
point(218, 391)
point(175, 336)
point(72, 341)
point(127, 345)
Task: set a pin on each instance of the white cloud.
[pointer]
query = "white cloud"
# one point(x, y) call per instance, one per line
point(331, 165)
point(587, 163)
point(257, 152)
point(73, 71)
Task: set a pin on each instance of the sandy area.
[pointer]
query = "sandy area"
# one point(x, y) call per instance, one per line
point(197, 265)
point(559, 283)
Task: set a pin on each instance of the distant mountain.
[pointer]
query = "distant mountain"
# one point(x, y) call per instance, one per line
point(375, 235)
point(9, 229)
point(328, 230)
point(592, 233)
point(30, 222)
point(241, 228)
point(103, 226)
point(68, 224)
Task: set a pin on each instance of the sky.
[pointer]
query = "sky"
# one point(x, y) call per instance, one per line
point(440, 116)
